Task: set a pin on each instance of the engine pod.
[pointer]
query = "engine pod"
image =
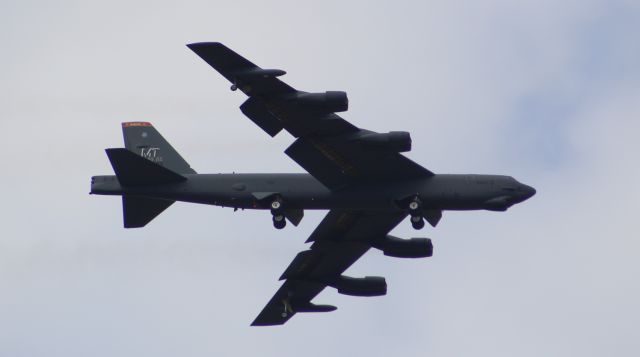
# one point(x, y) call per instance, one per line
point(310, 307)
point(257, 73)
point(399, 141)
point(327, 102)
point(405, 248)
point(367, 286)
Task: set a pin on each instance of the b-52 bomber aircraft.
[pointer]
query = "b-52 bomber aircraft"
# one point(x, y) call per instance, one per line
point(360, 176)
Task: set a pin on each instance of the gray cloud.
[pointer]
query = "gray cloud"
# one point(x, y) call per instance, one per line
point(541, 90)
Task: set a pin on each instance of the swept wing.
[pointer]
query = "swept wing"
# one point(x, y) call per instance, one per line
point(342, 237)
point(334, 151)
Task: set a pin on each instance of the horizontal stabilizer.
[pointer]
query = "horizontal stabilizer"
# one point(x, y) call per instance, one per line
point(138, 211)
point(133, 170)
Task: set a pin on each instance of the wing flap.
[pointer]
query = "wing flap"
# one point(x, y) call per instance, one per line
point(334, 225)
point(255, 110)
point(326, 166)
point(339, 162)
point(299, 264)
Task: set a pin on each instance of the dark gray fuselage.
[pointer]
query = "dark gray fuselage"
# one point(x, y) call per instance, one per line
point(444, 192)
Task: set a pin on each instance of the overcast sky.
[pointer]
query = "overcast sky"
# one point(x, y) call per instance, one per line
point(545, 91)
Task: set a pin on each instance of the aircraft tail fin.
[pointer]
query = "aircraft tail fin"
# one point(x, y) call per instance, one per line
point(138, 211)
point(134, 170)
point(148, 159)
point(144, 140)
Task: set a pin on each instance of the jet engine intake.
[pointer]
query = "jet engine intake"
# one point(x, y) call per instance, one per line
point(405, 248)
point(399, 141)
point(367, 286)
point(327, 102)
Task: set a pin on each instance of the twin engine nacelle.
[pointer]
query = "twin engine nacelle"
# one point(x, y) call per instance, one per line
point(367, 286)
point(399, 141)
point(327, 102)
point(405, 248)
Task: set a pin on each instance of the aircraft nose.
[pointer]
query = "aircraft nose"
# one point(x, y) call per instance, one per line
point(527, 191)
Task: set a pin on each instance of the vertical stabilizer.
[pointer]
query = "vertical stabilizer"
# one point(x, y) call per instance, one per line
point(144, 140)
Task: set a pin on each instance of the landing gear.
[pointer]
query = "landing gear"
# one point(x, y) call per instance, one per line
point(279, 220)
point(276, 205)
point(287, 309)
point(415, 206)
point(415, 210)
point(417, 222)
point(234, 86)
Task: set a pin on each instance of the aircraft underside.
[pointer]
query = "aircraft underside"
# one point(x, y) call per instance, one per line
point(360, 176)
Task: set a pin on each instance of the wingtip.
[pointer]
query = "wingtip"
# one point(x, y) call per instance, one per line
point(258, 323)
point(196, 45)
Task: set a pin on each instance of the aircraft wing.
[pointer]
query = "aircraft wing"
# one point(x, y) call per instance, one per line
point(331, 149)
point(342, 237)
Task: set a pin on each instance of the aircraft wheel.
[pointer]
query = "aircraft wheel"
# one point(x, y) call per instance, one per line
point(415, 206)
point(279, 222)
point(416, 219)
point(276, 205)
point(417, 225)
point(234, 87)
